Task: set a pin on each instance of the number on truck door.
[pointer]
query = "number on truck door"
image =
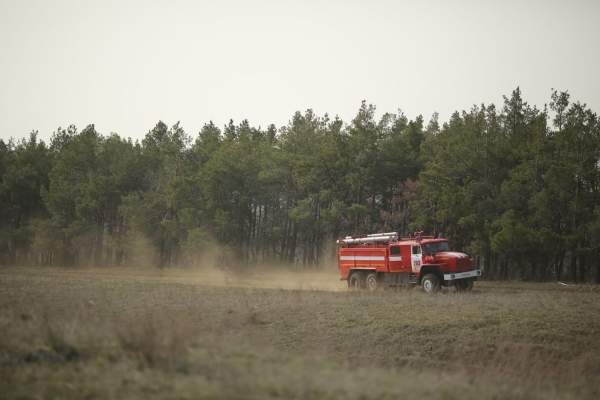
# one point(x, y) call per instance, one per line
point(416, 259)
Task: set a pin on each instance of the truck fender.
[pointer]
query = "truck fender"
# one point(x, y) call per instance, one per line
point(431, 269)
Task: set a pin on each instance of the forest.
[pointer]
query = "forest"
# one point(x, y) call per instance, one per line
point(516, 187)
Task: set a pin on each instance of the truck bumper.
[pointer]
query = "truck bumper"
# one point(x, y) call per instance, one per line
point(462, 275)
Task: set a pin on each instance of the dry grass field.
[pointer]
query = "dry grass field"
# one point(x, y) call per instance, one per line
point(194, 334)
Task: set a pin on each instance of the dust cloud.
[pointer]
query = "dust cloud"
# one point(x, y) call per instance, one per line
point(269, 277)
point(213, 267)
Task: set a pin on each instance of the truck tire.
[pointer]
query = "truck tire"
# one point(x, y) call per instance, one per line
point(460, 286)
point(430, 283)
point(357, 281)
point(463, 285)
point(469, 285)
point(372, 283)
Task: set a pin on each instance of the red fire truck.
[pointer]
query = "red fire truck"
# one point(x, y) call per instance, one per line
point(381, 259)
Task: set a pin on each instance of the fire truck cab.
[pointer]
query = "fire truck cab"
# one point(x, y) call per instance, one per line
point(381, 259)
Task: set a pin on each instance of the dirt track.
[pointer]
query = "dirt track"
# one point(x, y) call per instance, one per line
point(262, 278)
point(266, 279)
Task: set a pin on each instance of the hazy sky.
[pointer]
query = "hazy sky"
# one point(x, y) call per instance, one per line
point(125, 65)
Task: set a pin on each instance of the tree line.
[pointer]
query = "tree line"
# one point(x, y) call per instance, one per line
point(515, 187)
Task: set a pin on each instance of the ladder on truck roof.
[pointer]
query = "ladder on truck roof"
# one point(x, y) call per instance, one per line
point(374, 238)
point(381, 238)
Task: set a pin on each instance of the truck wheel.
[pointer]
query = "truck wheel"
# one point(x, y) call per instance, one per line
point(430, 283)
point(372, 282)
point(460, 285)
point(464, 285)
point(356, 281)
point(469, 285)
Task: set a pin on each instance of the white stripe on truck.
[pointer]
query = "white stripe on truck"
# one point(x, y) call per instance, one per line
point(362, 258)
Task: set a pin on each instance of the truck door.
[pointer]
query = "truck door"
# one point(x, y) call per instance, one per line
point(396, 259)
point(416, 259)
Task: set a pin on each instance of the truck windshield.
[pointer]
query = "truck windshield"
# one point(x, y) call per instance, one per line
point(435, 247)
